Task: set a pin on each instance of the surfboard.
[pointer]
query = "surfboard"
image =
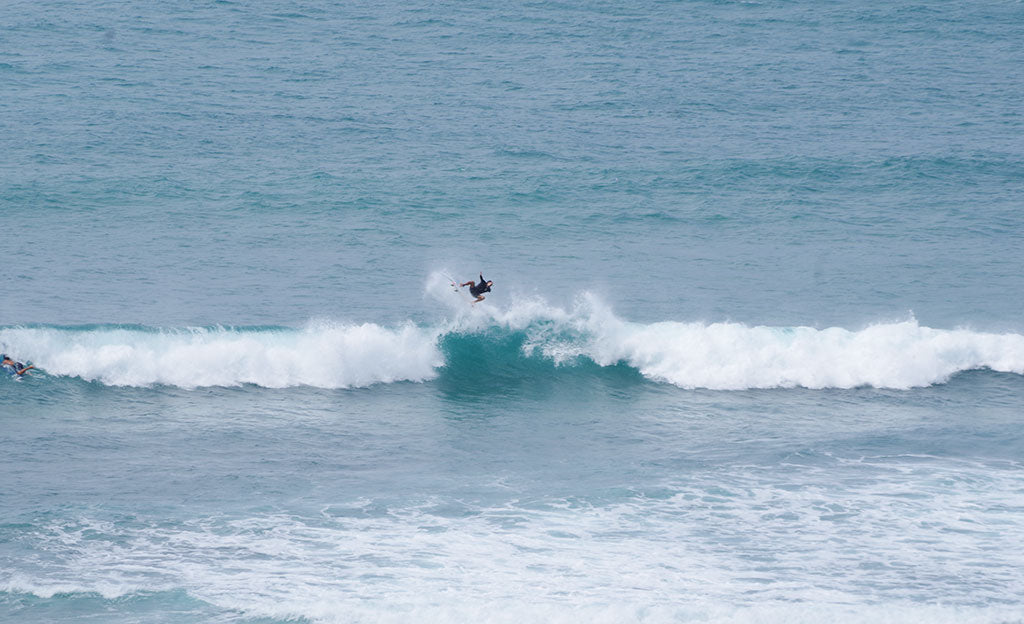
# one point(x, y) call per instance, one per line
point(451, 280)
point(463, 294)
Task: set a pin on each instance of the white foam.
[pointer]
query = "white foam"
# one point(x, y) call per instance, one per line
point(725, 547)
point(720, 356)
point(734, 356)
point(323, 354)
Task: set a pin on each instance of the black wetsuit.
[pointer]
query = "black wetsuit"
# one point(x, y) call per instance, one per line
point(14, 368)
point(480, 288)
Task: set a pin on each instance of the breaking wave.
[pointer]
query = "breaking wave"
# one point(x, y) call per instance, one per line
point(528, 340)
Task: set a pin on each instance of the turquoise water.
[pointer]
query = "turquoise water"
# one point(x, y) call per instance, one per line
point(754, 351)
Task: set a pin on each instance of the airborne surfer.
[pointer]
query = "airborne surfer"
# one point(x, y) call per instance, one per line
point(478, 289)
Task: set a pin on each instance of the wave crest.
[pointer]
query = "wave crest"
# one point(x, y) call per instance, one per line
point(325, 355)
point(528, 340)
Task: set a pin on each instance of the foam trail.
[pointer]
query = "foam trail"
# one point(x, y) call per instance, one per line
point(326, 355)
point(641, 560)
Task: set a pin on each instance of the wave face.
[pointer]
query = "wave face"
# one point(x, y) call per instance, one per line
point(530, 340)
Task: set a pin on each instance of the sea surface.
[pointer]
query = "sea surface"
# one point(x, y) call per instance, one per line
point(754, 351)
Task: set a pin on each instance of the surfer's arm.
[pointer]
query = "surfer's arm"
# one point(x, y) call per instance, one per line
point(26, 369)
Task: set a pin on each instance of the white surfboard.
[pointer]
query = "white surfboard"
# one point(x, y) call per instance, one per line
point(451, 280)
point(463, 293)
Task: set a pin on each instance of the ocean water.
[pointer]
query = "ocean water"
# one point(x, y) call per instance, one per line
point(754, 351)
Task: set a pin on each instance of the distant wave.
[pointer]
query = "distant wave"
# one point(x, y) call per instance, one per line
point(527, 340)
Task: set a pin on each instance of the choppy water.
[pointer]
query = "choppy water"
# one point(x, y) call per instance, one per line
point(754, 350)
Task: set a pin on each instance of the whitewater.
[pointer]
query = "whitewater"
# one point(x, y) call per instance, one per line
point(327, 354)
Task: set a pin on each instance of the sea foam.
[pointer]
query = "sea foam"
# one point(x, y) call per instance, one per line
point(322, 354)
point(326, 354)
